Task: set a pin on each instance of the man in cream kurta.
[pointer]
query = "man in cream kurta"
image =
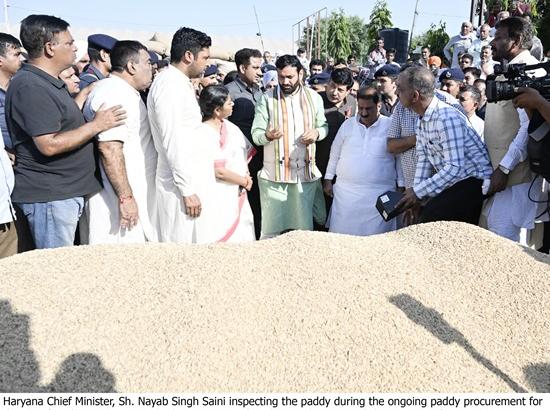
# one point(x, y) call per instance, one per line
point(288, 121)
point(506, 136)
point(183, 170)
point(128, 156)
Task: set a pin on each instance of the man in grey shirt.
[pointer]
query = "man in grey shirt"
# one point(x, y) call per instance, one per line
point(245, 92)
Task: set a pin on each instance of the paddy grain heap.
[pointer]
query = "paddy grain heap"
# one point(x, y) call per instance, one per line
point(436, 307)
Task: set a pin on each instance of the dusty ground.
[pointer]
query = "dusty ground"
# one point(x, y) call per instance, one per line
point(437, 307)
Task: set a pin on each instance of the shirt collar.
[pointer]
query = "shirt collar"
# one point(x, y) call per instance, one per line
point(430, 110)
point(96, 71)
point(243, 86)
point(177, 70)
point(375, 125)
point(520, 58)
point(121, 80)
point(56, 82)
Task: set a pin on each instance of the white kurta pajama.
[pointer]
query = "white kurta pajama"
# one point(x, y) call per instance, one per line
point(182, 170)
point(234, 222)
point(364, 170)
point(140, 159)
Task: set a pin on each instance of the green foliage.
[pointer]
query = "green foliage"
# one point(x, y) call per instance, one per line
point(358, 37)
point(341, 36)
point(436, 38)
point(380, 18)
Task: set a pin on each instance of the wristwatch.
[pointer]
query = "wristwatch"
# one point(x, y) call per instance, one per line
point(505, 170)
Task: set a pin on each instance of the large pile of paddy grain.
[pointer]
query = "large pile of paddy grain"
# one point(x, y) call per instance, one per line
point(436, 307)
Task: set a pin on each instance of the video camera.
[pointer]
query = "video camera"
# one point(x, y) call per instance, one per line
point(516, 76)
point(538, 144)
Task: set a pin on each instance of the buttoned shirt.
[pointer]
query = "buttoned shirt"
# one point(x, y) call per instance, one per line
point(446, 142)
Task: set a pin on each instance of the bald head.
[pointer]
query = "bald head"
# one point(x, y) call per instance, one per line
point(418, 79)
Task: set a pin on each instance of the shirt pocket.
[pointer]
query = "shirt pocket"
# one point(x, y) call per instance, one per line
point(377, 147)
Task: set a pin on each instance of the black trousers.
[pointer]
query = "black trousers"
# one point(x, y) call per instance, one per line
point(461, 202)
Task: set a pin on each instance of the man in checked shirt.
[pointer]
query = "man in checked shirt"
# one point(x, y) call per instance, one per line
point(402, 134)
point(452, 160)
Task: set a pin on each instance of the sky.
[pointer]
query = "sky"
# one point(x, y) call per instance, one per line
point(276, 17)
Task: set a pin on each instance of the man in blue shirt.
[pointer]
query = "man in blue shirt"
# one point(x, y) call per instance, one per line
point(10, 63)
point(99, 50)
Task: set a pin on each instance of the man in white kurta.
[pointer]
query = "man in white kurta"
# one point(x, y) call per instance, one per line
point(182, 172)
point(364, 170)
point(138, 158)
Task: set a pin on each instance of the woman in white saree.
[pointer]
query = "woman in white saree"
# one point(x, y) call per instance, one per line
point(230, 152)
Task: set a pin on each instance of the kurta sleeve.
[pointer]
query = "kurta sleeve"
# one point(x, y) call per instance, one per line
point(261, 122)
point(321, 124)
point(517, 151)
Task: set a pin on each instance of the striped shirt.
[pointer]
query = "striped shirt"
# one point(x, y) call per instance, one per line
point(446, 142)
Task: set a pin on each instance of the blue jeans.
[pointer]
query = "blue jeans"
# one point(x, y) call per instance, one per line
point(53, 224)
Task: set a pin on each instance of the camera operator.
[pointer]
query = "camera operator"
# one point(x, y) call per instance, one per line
point(510, 209)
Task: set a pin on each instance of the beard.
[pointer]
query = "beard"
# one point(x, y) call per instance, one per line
point(290, 89)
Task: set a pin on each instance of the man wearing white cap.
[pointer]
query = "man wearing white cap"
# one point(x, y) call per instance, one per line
point(82, 58)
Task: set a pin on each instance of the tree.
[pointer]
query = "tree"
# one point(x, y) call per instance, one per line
point(380, 18)
point(341, 36)
point(436, 38)
point(358, 37)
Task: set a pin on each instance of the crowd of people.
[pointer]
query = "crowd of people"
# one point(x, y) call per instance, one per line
point(109, 143)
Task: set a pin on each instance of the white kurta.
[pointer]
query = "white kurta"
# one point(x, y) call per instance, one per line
point(234, 218)
point(364, 170)
point(478, 124)
point(175, 117)
point(140, 160)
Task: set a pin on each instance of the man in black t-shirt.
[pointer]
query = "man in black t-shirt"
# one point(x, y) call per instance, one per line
point(55, 166)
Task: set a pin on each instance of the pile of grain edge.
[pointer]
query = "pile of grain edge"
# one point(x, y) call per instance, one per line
point(435, 307)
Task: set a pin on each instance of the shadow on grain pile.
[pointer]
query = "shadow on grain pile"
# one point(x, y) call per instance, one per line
point(20, 372)
point(432, 321)
point(538, 377)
